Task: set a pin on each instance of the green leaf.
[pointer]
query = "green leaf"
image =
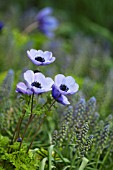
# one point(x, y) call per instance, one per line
point(42, 164)
point(50, 150)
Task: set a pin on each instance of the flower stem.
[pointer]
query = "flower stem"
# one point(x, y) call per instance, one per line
point(39, 127)
point(36, 133)
point(29, 121)
point(17, 129)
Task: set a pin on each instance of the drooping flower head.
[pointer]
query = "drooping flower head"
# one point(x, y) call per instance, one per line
point(63, 86)
point(40, 58)
point(35, 83)
point(47, 23)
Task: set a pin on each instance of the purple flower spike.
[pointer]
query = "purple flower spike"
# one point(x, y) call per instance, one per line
point(63, 86)
point(40, 58)
point(22, 88)
point(47, 23)
point(37, 82)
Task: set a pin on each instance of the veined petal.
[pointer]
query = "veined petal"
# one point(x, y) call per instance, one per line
point(39, 77)
point(38, 90)
point(73, 89)
point(59, 79)
point(29, 76)
point(32, 53)
point(47, 55)
point(40, 53)
point(68, 81)
point(49, 83)
point(63, 100)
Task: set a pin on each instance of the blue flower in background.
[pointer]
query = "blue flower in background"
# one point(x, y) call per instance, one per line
point(1, 25)
point(63, 86)
point(35, 83)
point(47, 23)
point(40, 58)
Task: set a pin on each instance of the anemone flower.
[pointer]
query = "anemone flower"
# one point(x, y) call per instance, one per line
point(63, 86)
point(37, 82)
point(47, 23)
point(40, 58)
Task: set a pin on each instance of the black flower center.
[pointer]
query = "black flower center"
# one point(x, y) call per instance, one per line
point(63, 87)
point(39, 59)
point(36, 84)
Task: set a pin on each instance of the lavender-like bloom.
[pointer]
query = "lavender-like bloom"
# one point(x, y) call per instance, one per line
point(47, 23)
point(1, 25)
point(63, 86)
point(40, 58)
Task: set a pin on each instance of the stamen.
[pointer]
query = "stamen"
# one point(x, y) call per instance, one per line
point(36, 84)
point(63, 87)
point(39, 59)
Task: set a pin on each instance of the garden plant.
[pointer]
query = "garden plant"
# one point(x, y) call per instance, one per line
point(55, 98)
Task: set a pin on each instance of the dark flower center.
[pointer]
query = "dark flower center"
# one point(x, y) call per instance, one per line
point(39, 59)
point(36, 84)
point(63, 87)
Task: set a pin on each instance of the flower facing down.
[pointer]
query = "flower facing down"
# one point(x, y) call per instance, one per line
point(40, 58)
point(37, 82)
point(63, 86)
point(47, 23)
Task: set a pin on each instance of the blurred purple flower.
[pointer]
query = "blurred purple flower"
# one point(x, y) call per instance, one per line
point(1, 25)
point(47, 23)
point(63, 86)
point(40, 58)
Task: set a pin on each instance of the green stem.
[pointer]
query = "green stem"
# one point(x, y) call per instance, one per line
point(17, 129)
point(83, 164)
point(36, 133)
point(39, 128)
point(29, 121)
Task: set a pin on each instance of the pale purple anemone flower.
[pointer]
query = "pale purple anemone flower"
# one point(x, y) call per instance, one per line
point(47, 23)
point(40, 58)
point(63, 86)
point(35, 83)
